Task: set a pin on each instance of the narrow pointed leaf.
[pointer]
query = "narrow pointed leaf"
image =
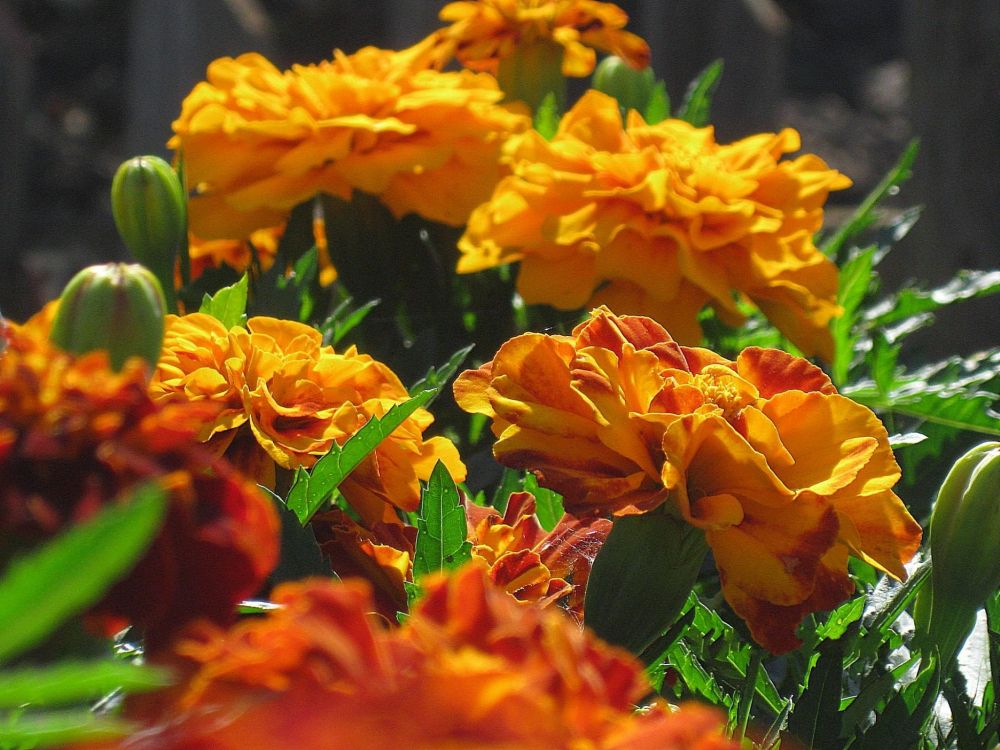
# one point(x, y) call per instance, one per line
point(44, 588)
point(72, 682)
point(437, 377)
point(697, 105)
point(548, 504)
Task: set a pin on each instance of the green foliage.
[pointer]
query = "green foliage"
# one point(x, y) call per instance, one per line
point(546, 120)
point(75, 681)
point(658, 108)
point(344, 319)
point(697, 103)
point(548, 504)
point(441, 526)
point(229, 304)
point(42, 589)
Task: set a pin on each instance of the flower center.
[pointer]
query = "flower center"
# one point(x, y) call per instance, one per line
point(725, 392)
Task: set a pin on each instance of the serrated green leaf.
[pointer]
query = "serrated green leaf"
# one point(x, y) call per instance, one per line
point(29, 730)
point(840, 619)
point(854, 281)
point(442, 532)
point(815, 718)
point(658, 108)
point(548, 504)
point(344, 319)
point(546, 120)
point(333, 468)
point(882, 359)
point(898, 725)
point(883, 611)
point(697, 105)
point(856, 709)
point(913, 301)
point(229, 304)
point(437, 377)
point(44, 588)
point(73, 682)
point(865, 215)
point(695, 677)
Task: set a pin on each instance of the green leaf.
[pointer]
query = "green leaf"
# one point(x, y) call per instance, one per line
point(442, 533)
point(228, 305)
point(29, 730)
point(44, 588)
point(547, 117)
point(898, 726)
point(311, 489)
point(865, 215)
point(510, 481)
point(641, 579)
point(345, 319)
point(855, 279)
point(658, 108)
point(697, 104)
point(816, 717)
point(548, 504)
point(913, 301)
point(437, 377)
point(300, 556)
point(855, 710)
point(72, 682)
point(886, 604)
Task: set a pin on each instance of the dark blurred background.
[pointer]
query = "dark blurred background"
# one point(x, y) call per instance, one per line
point(85, 84)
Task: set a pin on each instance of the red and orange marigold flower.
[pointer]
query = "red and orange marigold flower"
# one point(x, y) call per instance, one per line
point(257, 141)
point(284, 399)
point(483, 32)
point(469, 669)
point(660, 220)
point(76, 436)
point(785, 476)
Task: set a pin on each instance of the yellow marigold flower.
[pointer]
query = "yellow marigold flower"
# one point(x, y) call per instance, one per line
point(257, 141)
point(660, 220)
point(75, 436)
point(785, 476)
point(469, 670)
point(285, 399)
point(484, 32)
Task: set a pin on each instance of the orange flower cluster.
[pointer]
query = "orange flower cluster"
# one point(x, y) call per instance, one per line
point(257, 141)
point(530, 563)
point(470, 669)
point(75, 436)
point(284, 399)
point(483, 32)
point(785, 476)
point(660, 220)
point(236, 254)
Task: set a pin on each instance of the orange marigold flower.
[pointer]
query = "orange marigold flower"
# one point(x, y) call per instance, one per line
point(237, 254)
point(284, 399)
point(75, 436)
point(257, 141)
point(485, 31)
point(785, 476)
point(660, 220)
point(470, 669)
point(530, 563)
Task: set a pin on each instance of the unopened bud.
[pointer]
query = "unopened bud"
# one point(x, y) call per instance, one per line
point(147, 201)
point(965, 534)
point(632, 88)
point(116, 307)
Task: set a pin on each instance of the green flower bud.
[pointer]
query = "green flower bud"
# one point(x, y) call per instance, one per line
point(147, 201)
point(632, 88)
point(965, 534)
point(116, 307)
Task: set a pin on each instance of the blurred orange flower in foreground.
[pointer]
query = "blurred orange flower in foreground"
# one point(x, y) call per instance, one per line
point(75, 436)
point(483, 32)
point(660, 220)
point(257, 141)
point(469, 669)
point(785, 476)
point(284, 399)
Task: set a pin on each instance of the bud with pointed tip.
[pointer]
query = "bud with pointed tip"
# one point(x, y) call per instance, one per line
point(965, 533)
point(147, 201)
point(116, 307)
